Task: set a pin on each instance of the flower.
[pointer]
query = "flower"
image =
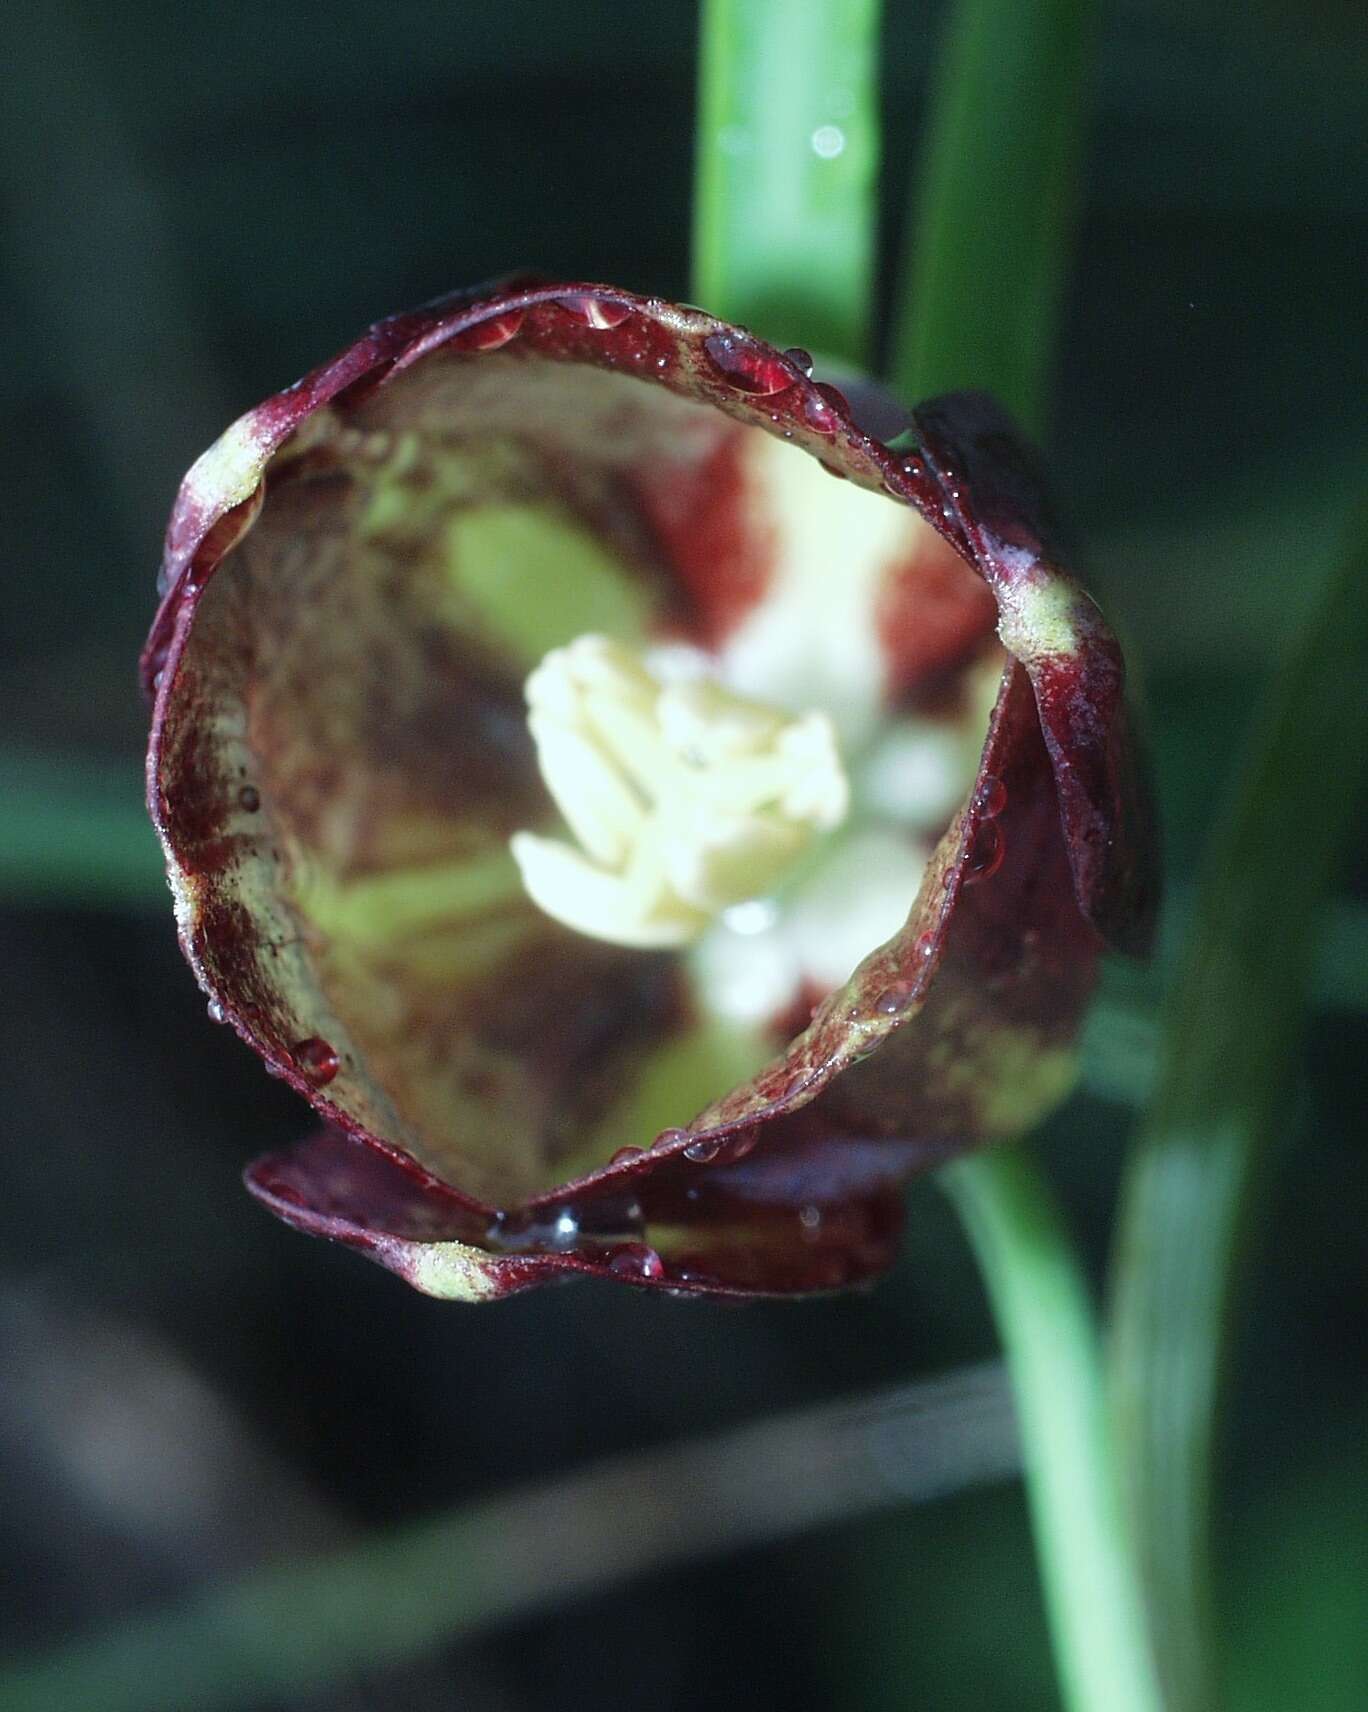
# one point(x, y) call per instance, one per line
point(642, 850)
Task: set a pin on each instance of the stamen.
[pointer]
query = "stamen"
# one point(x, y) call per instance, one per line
point(685, 800)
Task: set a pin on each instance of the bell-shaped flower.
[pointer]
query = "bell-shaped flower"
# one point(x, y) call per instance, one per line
point(649, 808)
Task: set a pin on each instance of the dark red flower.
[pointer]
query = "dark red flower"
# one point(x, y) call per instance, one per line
point(358, 578)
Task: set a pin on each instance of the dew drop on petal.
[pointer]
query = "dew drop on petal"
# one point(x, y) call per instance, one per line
point(894, 999)
point(316, 1060)
point(637, 1260)
point(992, 797)
point(597, 312)
point(925, 945)
point(703, 1151)
point(748, 366)
point(800, 358)
point(810, 1218)
point(739, 1145)
point(985, 854)
point(623, 1154)
point(489, 335)
point(564, 1229)
point(668, 1137)
point(823, 408)
point(215, 1011)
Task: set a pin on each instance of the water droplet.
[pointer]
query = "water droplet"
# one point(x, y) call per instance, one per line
point(623, 1154)
point(564, 1229)
point(748, 366)
point(925, 945)
point(800, 358)
point(739, 1145)
point(215, 1011)
point(894, 999)
point(597, 312)
point(985, 854)
point(992, 797)
point(668, 1137)
point(810, 1218)
point(249, 799)
point(828, 142)
point(489, 335)
point(703, 1151)
point(316, 1060)
point(824, 407)
point(637, 1260)
point(157, 677)
point(553, 1230)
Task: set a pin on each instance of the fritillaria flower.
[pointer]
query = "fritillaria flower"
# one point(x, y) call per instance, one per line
point(647, 814)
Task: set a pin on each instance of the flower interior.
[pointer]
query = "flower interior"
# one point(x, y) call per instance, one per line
point(565, 742)
point(685, 799)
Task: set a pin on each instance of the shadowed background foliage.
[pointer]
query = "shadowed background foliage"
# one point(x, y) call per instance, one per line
point(199, 205)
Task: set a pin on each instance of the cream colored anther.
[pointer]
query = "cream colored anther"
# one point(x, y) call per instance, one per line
point(684, 798)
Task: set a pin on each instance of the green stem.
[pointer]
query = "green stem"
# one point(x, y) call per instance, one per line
point(1228, 1056)
point(990, 238)
point(786, 168)
point(1048, 1331)
point(988, 252)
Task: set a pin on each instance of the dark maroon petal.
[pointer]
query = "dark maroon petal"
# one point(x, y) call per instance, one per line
point(995, 494)
point(810, 1217)
point(339, 754)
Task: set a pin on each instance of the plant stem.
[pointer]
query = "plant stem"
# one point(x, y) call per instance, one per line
point(990, 235)
point(1049, 1334)
point(1228, 1056)
point(785, 170)
point(987, 254)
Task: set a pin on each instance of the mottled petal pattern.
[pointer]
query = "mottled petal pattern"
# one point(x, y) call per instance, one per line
point(359, 578)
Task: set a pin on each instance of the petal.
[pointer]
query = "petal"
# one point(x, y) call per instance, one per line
point(811, 1218)
point(357, 578)
point(993, 493)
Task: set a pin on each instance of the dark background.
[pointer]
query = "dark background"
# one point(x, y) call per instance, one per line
point(198, 204)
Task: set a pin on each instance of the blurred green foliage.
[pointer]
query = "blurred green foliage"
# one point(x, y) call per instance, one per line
point(201, 204)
